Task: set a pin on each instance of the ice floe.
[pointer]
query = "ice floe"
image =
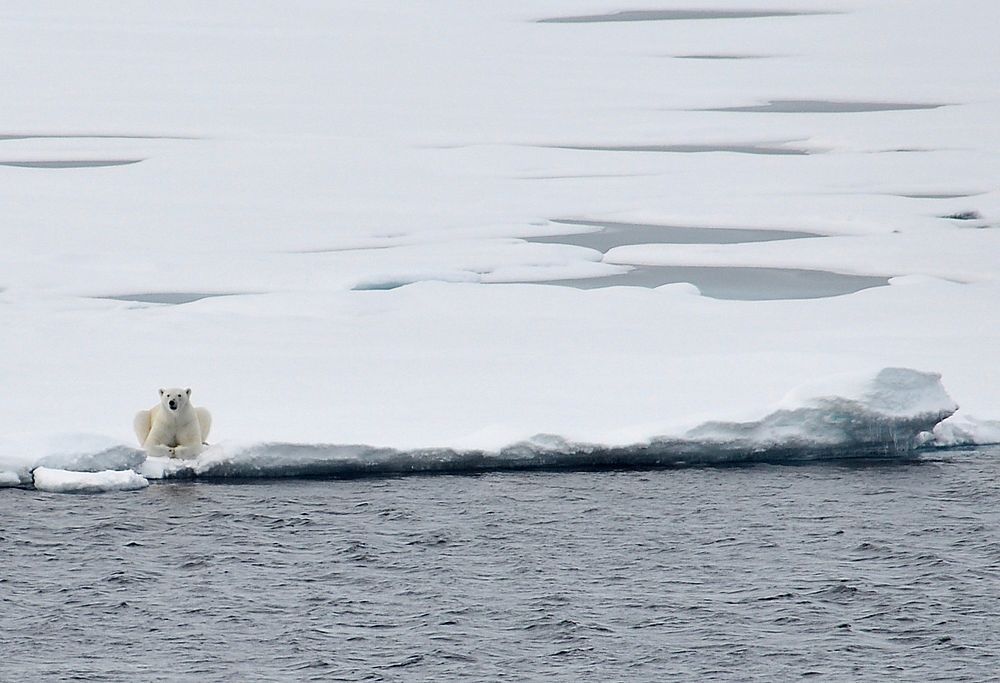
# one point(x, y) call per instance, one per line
point(374, 220)
point(890, 414)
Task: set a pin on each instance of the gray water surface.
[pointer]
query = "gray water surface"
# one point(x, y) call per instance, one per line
point(88, 136)
point(828, 107)
point(737, 283)
point(720, 56)
point(166, 297)
point(860, 572)
point(613, 234)
point(939, 195)
point(735, 148)
point(71, 163)
point(674, 15)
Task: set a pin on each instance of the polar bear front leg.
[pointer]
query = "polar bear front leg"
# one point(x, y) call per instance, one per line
point(143, 424)
point(159, 449)
point(204, 422)
point(188, 443)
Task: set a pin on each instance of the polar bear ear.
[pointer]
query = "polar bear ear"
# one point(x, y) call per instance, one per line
point(188, 391)
point(161, 392)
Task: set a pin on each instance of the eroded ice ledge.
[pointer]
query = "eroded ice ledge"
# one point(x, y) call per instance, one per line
point(889, 414)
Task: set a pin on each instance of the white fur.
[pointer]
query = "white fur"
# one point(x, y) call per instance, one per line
point(178, 432)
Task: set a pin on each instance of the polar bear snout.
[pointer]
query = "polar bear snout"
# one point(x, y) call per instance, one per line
point(172, 404)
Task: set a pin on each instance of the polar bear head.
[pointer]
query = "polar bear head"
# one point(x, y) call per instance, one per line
point(174, 399)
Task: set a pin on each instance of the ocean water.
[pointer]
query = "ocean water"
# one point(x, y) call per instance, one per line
point(850, 570)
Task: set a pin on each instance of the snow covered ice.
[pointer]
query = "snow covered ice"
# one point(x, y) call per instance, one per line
point(334, 223)
point(886, 415)
point(64, 481)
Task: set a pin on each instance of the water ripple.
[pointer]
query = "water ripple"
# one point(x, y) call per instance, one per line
point(836, 571)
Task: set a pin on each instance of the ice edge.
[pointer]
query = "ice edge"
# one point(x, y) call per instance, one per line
point(893, 414)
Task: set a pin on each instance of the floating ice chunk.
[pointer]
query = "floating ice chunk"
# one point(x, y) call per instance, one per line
point(965, 430)
point(9, 479)
point(65, 481)
point(20, 453)
point(679, 288)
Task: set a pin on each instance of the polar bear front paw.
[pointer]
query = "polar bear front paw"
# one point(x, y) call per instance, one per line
point(185, 452)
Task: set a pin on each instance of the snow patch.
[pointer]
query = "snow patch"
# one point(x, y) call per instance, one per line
point(394, 281)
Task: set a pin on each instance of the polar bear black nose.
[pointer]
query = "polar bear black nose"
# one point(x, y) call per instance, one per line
point(173, 405)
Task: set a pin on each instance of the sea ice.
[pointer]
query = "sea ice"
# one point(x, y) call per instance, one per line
point(965, 430)
point(66, 481)
point(366, 206)
point(81, 452)
point(9, 478)
point(884, 415)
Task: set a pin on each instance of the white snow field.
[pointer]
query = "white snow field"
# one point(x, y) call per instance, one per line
point(319, 216)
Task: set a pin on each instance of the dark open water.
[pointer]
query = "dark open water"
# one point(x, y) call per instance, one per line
point(834, 571)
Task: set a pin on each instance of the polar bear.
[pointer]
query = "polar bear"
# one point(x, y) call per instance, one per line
point(174, 427)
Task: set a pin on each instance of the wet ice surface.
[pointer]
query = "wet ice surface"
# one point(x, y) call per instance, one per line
point(735, 148)
point(71, 163)
point(674, 15)
point(738, 283)
point(964, 216)
point(166, 297)
point(870, 571)
point(719, 282)
point(720, 56)
point(938, 195)
point(89, 136)
point(606, 235)
point(828, 107)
